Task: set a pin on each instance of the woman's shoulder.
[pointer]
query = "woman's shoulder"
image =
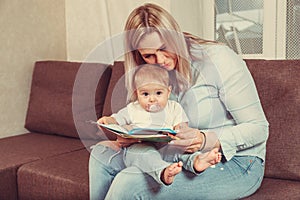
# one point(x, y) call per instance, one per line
point(216, 62)
point(211, 50)
point(219, 55)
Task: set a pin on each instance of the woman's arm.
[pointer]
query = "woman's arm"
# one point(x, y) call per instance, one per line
point(226, 105)
point(237, 92)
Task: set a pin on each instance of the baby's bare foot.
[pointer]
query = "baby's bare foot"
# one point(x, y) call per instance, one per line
point(169, 173)
point(203, 161)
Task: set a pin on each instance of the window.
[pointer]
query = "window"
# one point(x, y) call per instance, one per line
point(293, 30)
point(259, 28)
point(239, 24)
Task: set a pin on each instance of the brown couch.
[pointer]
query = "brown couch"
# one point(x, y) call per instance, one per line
point(51, 160)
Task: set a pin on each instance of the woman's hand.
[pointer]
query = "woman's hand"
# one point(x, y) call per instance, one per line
point(125, 142)
point(191, 139)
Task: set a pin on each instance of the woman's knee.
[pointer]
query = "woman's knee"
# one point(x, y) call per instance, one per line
point(130, 179)
point(104, 155)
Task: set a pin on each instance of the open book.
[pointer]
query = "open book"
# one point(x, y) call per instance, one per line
point(143, 134)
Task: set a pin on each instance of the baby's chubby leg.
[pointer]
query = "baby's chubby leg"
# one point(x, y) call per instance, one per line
point(147, 158)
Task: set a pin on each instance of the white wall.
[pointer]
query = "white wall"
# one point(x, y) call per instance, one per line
point(34, 30)
point(86, 26)
point(89, 23)
point(30, 30)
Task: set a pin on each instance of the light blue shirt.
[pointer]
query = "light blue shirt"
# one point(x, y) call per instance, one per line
point(223, 99)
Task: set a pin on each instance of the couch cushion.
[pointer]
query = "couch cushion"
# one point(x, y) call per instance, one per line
point(277, 189)
point(277, 83)
point(64, 95)
point(21, 149)
point(61, 177)
point(8, 182)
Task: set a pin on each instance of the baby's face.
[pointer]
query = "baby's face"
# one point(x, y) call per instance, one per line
point(153, 97)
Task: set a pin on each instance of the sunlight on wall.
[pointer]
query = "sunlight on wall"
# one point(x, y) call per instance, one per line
point(30, 31)
point(88, 23)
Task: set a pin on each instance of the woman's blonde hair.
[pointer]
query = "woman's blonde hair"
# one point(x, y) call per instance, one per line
point(150, 18)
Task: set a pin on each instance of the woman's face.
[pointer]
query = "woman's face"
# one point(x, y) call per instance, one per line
point(154, 51)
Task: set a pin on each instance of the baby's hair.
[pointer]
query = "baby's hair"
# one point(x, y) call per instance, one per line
point(149, 74)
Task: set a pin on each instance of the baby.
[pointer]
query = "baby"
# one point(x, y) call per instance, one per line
point(151, 108)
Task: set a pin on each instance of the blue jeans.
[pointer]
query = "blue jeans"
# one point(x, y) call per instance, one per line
point(111, 180)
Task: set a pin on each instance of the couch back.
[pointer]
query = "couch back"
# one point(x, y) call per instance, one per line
point(64, 95)
point(278, 85)
point(116, 93)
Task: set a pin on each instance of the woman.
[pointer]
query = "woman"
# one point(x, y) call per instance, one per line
point(220, 100)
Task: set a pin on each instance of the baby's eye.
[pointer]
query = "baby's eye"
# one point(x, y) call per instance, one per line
point(159, 92)
point(145, 94)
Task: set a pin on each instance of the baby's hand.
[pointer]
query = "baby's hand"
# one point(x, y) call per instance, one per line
point(107, 120)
